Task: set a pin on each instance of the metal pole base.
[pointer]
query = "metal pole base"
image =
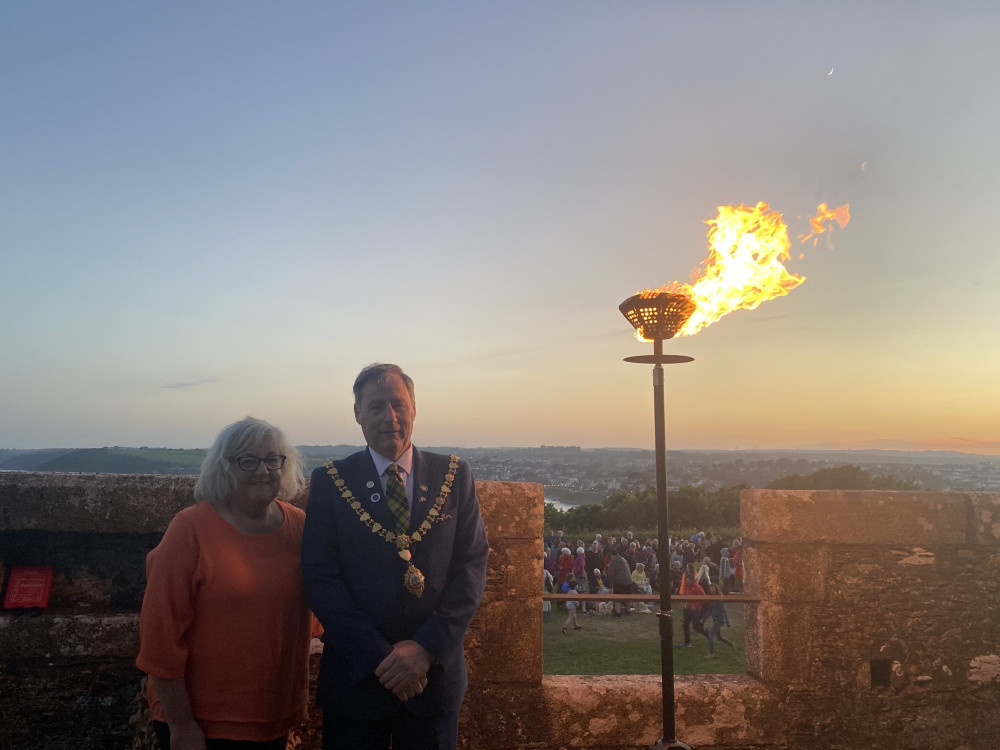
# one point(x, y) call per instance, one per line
point(664, 744)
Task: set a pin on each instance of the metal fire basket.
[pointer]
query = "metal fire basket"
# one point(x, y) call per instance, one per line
point(657, 315)
point(660, 315)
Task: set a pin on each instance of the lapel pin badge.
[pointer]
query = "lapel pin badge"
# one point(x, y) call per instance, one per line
point(369, 484)
point(375, 497)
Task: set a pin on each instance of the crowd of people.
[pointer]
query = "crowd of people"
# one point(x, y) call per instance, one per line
point(702, 564)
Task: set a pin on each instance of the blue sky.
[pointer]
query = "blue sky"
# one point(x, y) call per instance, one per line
point(214, 210)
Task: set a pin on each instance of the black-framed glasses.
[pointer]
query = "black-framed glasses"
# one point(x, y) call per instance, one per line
point(250, 463)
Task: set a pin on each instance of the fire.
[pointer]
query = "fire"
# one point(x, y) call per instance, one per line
point(841, 215)
point(748, 246)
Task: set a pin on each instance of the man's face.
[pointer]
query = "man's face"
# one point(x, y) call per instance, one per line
point(385, 412)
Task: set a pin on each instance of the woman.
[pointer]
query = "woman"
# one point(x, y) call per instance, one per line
point(640, 581)
point(224, 628)
point(692, 610)
point(564, 566)
point(703, 573)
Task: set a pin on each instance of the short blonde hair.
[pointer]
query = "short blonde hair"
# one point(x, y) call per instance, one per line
point(217, 477)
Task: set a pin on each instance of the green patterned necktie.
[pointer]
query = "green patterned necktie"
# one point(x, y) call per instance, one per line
point(395, 492)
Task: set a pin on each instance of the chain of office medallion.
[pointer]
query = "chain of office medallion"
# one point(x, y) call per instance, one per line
point(402, 541)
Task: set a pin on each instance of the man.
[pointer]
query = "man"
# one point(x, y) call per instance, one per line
point(594, 557)
point(394, 578)
point(620, 578)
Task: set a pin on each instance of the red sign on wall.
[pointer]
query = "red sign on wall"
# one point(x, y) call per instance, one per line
point(29, 586)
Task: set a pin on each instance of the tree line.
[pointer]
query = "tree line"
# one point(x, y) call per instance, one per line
point(697, 507)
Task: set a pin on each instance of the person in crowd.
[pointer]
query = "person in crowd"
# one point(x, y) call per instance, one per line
point(394, 557)
point(548, 561)
point(703, 573)
point(580, 572)
point(642, 556)
point(640, 583)
point(621, 580)
point(564, 565)
point(676, 576)
point(736, 552)
point(716, 612)
point(570, 587)
point(629, 555)
point(689, 553)
point(580, 565)
point(225, 629)
point(558, 542)
point(713, 547)
point(609, 549)
point(677, 553)
point(594, 559)
point(548, 586)
point(602, 584)
point(726, 571)
point(692, 610)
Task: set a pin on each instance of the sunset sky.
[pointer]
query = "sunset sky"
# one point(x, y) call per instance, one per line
point(209, 210)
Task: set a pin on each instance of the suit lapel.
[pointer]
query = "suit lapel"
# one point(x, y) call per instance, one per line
point(369, 486)
point(426, 485)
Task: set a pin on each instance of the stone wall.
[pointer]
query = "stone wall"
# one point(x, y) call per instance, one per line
point(877, 626)
point(880, 615)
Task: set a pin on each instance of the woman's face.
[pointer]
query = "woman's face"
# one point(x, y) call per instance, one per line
point(256, 489)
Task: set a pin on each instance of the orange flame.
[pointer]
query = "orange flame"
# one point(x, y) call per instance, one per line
point(745, 266)
point(841, 215)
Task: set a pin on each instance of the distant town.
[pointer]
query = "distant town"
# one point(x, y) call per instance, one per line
point(572, 475)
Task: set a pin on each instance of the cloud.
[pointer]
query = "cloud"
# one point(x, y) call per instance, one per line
point(183, 385)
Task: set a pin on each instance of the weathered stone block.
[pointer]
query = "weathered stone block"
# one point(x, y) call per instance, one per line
point(504, 643)
point(853, 517)
point(81, 637)
point(779, 643)
point(512, 510)
point(99, 503)
point(787, 572)
point(985, 521)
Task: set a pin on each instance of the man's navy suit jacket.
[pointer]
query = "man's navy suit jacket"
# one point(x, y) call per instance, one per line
point(354, 584)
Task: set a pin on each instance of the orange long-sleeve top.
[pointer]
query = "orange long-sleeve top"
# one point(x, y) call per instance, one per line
point(226, 611)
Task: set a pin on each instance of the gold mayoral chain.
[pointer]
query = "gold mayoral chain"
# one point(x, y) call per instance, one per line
point(413, 578)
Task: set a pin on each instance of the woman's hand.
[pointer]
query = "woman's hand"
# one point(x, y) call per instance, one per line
point(187, 736)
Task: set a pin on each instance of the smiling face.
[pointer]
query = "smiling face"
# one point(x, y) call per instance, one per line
point(385, 412)
point(254, 490)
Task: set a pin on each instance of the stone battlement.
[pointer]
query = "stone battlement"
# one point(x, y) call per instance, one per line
point(878, 625)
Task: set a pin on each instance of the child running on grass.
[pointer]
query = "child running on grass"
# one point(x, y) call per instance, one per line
point(570, 587)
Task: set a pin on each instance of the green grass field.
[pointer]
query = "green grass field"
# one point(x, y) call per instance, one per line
point(631, 645)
